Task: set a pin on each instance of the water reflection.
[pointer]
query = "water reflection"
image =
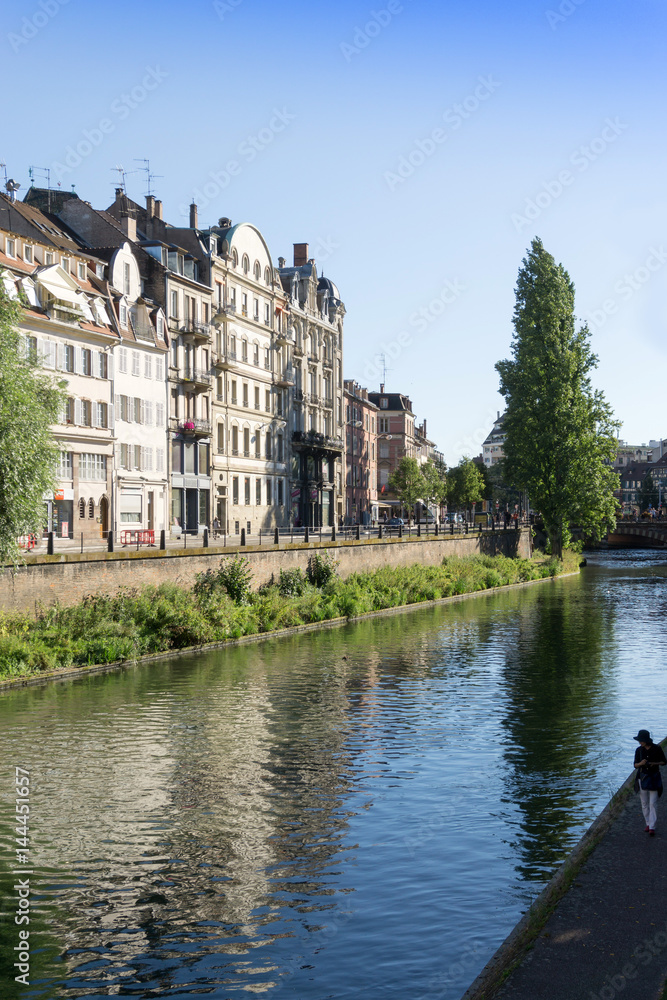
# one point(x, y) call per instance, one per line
point(310, 817)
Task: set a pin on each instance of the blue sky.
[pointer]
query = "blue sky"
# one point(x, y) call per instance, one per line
point(417, 148)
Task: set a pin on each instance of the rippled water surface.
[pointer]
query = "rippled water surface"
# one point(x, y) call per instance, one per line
point(360, 812)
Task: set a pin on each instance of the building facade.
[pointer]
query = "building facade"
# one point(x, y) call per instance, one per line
point(361, 499)
point(395, 440)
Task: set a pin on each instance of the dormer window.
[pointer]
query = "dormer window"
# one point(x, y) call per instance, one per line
point(99, 270)
point(81, 271)
point(27, 253)
point(235, 258)
point(257, 271)
point(65, 264)
point(384, 403)
point(246, 263)
point(48, 257)
point(160, 325)
point(123, 315)
point(11, 248)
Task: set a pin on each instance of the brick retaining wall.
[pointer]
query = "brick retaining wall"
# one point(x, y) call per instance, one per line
point(69, 577)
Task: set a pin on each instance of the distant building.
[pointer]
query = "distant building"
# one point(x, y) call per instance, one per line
point(492, 449)
point(361, 455)
point(396, 439)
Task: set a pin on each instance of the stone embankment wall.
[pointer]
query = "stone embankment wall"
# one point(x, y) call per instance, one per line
point(67, 578)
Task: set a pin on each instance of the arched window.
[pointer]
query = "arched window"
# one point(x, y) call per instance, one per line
point(246, 263)
point(82, 507)
point(267, 276)
point(235, 258)
point(256, 270)
point(91, 508)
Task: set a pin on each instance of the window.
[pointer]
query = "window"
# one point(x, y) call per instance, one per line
point(267, 400)
point(244, 350)
point(267, 314)
point(69, 358)
point(159, 415)
point(267, 276)
point(122, 314)
point(384, 403)
point(48, 257)
point(257, 271)
point(245, 394)
point(232, 386)
point(136, 363)
point(235, 440)
point(268, 445)
point(82, 507)
point(221, 438)
point(11, 248)
point(255, 355)
point(235, 258)
point(244, 304)
point(246, 442)
point(247, 491)
point(258, 445)
point(99, 270)
point(86, 413)
point(280, 493)
point(160, 326)
point(136, 456)
point(27, 253)
point(258, 492)
point(65, 264)
point(101, 415)
point(174, 352)
point(174, 305)
point(257, 404)
point(92, 466)
point(269, 499)
point(91, 508)
point(103, 364)
point(159, 459)
point(279, 455)
point(245, 263)
point(68, 411)
point(255, 310)
point(159, 369)
point(64, 470)
point(81, 271)
point(86, 361)
point(235, 493)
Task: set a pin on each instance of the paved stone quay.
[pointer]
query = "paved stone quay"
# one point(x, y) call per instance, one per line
point(607, 936)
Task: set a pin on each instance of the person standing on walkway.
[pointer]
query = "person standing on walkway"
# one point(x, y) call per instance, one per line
point(649, 758)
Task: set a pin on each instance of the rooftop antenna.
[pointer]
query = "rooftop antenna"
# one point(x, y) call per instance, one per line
point(45, 172)
point(383, 360)
point(149, 176)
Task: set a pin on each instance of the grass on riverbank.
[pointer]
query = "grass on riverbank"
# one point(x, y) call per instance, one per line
point(221, 606)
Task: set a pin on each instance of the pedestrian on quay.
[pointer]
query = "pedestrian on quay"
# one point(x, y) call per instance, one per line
point(649, 758)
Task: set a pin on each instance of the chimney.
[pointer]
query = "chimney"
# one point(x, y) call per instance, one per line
point(193, 216)
point(381, 386)
point(158, 208)
point(300, 254)
point(150, 205)
point(129, 226)
point(281, 262)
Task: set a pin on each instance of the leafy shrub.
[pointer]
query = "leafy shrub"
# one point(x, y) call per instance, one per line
point(233, 576)
point(292, 583)
point(322, 569)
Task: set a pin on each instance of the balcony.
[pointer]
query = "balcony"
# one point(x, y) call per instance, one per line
point(328, 402)
point(298, 349)
point(224, 360)
point(311, 440)
point(314, 398)
point(286, 377)
point(196, 378)
point(327, 362)
point(64, 314)
point(197, 426)
point(196, 333)
point(285, 338)
point(224, 311)
point(300, 396)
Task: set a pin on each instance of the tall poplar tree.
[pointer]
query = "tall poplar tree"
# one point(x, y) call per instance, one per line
point(29, 403)
point(560, 433)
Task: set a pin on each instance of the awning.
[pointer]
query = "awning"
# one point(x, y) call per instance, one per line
point(61, 292)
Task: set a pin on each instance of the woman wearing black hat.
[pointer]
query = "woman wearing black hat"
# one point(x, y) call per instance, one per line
point(649, 758)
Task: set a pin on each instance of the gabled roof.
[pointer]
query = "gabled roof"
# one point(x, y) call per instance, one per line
point(27, 221)
point(397, 401)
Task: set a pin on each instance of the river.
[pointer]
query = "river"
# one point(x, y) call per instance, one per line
point(363, 811)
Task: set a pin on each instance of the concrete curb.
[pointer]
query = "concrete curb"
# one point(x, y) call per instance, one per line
point(74, 673)
point(513, 950)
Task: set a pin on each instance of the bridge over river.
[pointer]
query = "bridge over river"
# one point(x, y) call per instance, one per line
point(639, 534)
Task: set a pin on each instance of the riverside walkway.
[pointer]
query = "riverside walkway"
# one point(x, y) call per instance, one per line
point(607, 936)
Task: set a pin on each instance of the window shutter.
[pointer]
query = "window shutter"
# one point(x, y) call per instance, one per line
point(142, 412)
point(77, 411)
point(112, 416)
point(110, 365)
point(61, 357)
point(117, 402)
point(94, 415)
point(149, 413)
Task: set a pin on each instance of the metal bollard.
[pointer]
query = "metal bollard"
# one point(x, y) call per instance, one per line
point(110, 541)
point(437, 528)
point(276, 537)
point(49, 544)
point(163, 539)
point(380, 530)
point(466, 527)
point(242, 536)
point(306, 536)
point(185, 539)
point(419, 529)
point(205, 540)
point(400, 531)
point(358, 534)
point(333, 532)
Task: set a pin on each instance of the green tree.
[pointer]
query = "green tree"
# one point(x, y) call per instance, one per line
point(407, 482)
point(560, 433)
point(647, 494)
point(435, 484)
point(465, 484)
point(30, 400)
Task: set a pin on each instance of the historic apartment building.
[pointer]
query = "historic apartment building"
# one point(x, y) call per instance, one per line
point(492, 448)
point(68, 328)
point(315, 314)
point(361, 498)
point(395, 440)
